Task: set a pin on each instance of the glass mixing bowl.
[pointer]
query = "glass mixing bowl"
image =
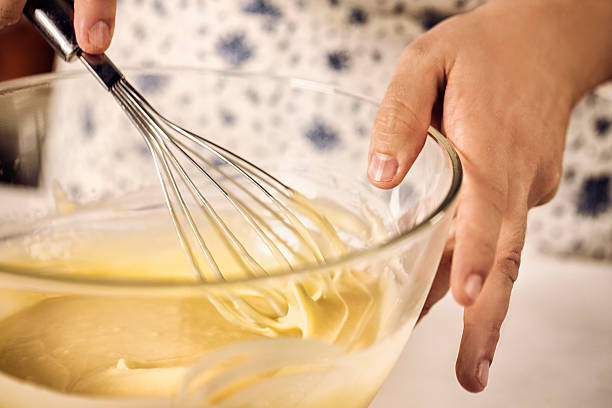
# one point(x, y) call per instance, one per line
point(91, 311)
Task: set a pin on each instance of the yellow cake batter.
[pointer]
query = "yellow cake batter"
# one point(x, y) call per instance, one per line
point(229, 341)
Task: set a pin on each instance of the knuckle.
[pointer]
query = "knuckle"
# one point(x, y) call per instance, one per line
point(8, 16)
point(509, 264)
point(396, 118)
point(549, 182)
point(490, 328)
point(418, 50)
point(395, 100)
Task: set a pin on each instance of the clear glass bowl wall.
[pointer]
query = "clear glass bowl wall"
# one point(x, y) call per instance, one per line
point(310, 136)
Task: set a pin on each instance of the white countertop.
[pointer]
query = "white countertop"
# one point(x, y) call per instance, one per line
point(555, 348)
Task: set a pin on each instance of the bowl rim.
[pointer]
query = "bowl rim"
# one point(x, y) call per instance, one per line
point(26, 278)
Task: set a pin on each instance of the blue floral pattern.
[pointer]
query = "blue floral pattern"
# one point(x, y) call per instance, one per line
point(234, 49)
point(594, 197)
point(321, 134)
point(353, 44)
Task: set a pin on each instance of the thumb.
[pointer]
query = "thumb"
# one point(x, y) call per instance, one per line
point(94, 23)
point(404, 115)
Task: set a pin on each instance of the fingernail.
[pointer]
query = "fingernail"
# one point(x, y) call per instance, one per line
point(382, 167)
point(99, 35)
point(483, 373)
point(473, 286)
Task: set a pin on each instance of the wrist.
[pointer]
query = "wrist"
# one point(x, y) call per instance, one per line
point(575, 35)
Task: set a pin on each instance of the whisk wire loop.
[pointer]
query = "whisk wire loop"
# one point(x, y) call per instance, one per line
point(162, 150)
point(230, 158)
point(151, 132)
point(160, 143)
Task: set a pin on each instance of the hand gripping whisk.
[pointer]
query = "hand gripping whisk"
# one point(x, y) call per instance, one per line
point(263, 224)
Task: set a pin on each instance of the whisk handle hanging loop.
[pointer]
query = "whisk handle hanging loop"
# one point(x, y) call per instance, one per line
point(54, 19)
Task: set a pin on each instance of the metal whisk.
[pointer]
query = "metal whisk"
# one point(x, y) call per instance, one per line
point(262, 218)
point(251, 193)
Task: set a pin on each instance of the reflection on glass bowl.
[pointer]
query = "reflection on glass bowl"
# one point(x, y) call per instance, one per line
point(98, 306)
